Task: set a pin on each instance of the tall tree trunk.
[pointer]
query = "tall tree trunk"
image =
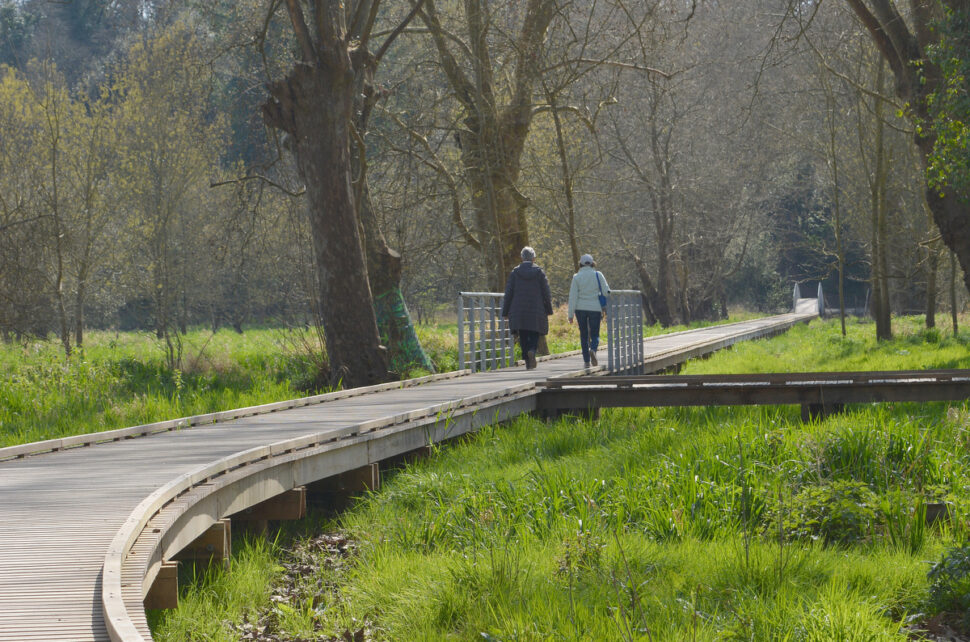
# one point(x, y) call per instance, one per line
point(384, 264)
point(932, 268)
point(498, 204)
point(953, 293)
point(384, 269)
point(671, 289)
point(314, 104)
point(53, 122)
point(493, 135)
point(567, 178)
point(79, 310)
point(916, 79)
point(836, 201)
point(667, 297)
point(651, 298)
point(880, 287)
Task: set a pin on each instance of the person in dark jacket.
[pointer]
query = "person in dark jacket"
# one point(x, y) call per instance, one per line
point(528, 304)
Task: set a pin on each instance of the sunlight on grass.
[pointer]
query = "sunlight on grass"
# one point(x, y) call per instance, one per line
point(735, 523)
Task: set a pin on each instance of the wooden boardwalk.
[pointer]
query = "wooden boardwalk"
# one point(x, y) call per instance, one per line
point(82, 528)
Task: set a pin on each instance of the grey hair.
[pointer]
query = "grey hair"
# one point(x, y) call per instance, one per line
point(528, 254)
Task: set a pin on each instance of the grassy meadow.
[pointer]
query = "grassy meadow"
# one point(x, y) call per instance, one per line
point(121, 380)
point(647, 524)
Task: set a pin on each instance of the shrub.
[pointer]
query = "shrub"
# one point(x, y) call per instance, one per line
point(840, 512)
point(950, 583)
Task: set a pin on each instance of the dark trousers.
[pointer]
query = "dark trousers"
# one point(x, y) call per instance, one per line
point(589, 331)
point(528, 340)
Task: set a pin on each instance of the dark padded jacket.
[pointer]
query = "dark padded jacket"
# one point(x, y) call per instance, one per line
point(528, 302)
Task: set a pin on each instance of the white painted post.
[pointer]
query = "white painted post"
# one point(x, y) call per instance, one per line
point(639, 335)
point(507, 347)
point(491, 313)
point(627, 333)
point(461, 332)
point(472, 362)
point(610, 341)
point(481, 334)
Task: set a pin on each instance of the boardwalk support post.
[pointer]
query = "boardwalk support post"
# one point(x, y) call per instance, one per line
point(164, 593)
point(214, 544)
point(336, 492)
point(554, 414)
point(819, 411)
point(286, 506)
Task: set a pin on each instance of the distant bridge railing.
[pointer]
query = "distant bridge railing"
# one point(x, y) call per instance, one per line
point(484, 339)
point(805, 304)
point(624, 331)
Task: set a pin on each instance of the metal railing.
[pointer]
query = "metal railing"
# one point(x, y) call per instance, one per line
point(624, 331)
point(801, 303)
point(485, 342)
point(484, 339)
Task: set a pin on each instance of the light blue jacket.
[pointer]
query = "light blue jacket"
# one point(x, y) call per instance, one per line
point(584, 292)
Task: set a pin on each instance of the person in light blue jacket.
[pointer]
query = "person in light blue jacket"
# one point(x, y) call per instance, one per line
point(588, 286)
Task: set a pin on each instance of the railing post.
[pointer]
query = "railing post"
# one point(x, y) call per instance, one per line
point(472, 361)
point(627, 348)
point(619, 333)
point(796, 295)
point(461, 332)
point(492, 363)
point(639, 335)
point(508, 349)
point(481, 334)
point(611, 346)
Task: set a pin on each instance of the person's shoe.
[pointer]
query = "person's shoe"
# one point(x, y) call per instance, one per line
point(592, 359)
point(586, 364)
point(530, 360)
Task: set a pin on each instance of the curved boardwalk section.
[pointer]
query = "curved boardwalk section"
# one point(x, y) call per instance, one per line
point(85, 530)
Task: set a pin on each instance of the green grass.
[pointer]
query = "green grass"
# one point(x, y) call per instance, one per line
point(121, 380)
point(214, 596)
point(664, 524)
point(805, 348)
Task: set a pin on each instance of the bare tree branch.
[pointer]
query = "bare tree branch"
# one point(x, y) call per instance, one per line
point(303, 39)
point(436, 164)
point(465, 89)
point(611, 63)
point(264, 179)
point(397, 31)
point(879, 35)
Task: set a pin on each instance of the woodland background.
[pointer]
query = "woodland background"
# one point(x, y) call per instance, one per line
point(710, 154)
